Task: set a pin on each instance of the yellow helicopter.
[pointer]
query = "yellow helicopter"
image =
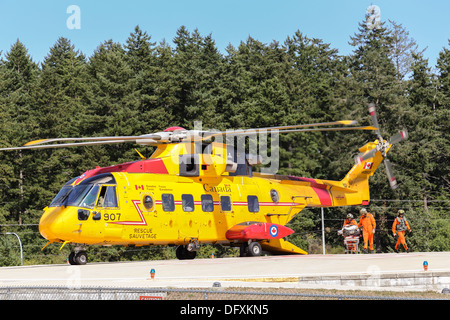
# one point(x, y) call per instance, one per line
point(195, 191)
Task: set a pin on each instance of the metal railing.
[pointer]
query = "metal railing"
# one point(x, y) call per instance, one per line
point(218, 293)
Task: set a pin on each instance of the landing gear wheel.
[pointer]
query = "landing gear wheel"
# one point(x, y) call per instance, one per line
point(183, 253)
point(180, 253)
point(243, 250)
point(81, 258)
point(72, 258)
point(254, 249)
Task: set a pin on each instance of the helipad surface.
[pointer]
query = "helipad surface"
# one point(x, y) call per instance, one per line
point(272, 271)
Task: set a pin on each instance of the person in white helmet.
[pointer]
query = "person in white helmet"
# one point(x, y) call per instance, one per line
point(399, 228)
point(350, 221)
point(352, 245)
point(368, 224)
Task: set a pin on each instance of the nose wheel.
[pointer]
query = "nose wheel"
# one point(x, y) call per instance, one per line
point(250, 250)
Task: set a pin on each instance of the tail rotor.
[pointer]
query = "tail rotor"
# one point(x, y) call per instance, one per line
point(382, 146)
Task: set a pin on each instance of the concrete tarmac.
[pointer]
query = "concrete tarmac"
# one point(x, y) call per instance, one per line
point(389, 271)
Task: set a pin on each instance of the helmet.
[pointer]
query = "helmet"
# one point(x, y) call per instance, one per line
point(363, 211)
point(349, 216)
point(400, 212)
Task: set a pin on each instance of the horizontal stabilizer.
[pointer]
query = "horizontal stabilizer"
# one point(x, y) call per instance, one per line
point(252, 230)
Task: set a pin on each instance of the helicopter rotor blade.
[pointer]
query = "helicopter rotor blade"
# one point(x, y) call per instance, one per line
point(295, 126)
point(373, 115)
point(330, 129)
point(392, 180)
point(87, 141)
point(63, 145)
point(104, 139)
point(320, 124)
point(285, 129)
point(398, 137)
point(383, 146)
point(182, 135)
point(363, 157)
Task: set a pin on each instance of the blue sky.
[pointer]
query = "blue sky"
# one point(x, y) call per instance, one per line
point(38, 24)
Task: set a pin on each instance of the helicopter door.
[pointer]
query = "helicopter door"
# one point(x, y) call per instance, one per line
point(252, 197)
point(86, 230)
point(107, 198)
point(107, 210)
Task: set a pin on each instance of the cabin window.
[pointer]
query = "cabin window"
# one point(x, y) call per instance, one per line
point(107, 197)
point(274, 195)
point(168, 203)
point(148, 202)
point(207, 203)
point(253, 204)
point(225, 203)
point(187, 201)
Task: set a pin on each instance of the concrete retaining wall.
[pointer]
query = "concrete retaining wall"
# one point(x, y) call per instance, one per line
point(425, 280)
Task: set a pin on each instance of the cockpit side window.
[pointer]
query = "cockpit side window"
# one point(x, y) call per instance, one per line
point(107, 197)
point(91, 197)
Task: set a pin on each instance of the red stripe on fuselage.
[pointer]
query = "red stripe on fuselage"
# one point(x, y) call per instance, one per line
point(142, 166)
point(324, 196)
point(320, 190)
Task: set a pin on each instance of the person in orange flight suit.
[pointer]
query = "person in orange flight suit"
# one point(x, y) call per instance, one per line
point(349, 222)
point(399, 227)
point(368, 224)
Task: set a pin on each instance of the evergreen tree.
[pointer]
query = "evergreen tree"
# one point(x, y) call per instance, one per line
point(144, 92)
point(63, 97)
point(427, 149)
point(373, 71)
point(403, 49)
point(443, 66)
point(197, 64)
point(139, 50)
point(64, 94)
point(313, 100)
point(17, 84)
point(442, 112)
point(375, 77)
point(166, 84)
point(111, 77)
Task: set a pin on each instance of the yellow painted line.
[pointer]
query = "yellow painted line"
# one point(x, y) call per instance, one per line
point(272, 279)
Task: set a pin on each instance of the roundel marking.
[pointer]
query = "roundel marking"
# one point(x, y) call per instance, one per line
point(273, 230)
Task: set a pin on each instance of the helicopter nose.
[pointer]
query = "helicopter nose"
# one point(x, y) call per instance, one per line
point(51, 223)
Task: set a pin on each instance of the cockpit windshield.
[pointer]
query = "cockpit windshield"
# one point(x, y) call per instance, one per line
point(86, 193)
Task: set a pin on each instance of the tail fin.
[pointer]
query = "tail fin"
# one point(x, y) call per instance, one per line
point(358, 177)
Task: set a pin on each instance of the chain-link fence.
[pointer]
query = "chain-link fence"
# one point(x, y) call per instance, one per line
point(215, 293)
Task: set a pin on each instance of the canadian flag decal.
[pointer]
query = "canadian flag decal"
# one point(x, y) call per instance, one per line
point(368, 165)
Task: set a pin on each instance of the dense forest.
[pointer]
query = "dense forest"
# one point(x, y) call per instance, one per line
point(142, 86)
